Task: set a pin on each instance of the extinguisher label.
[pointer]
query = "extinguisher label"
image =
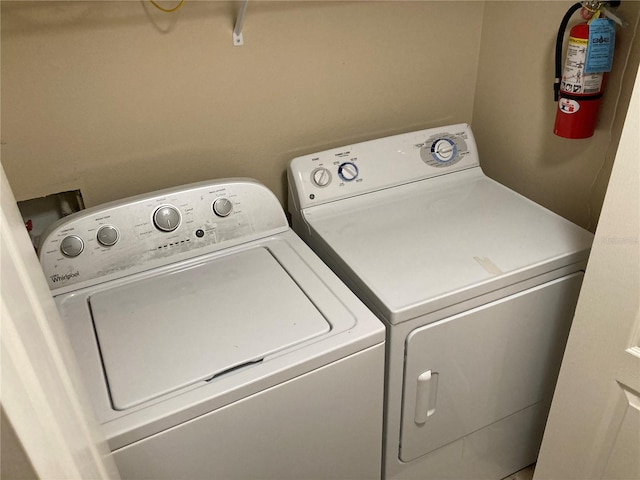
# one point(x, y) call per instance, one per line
point(602, 36)
point(574, 78)
point(568, 106)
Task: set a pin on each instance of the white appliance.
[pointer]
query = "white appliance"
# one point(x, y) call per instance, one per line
point(476, 284)
point(213, 342)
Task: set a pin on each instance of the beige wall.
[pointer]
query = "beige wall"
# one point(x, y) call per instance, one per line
point(118, 98)
point(514, 110)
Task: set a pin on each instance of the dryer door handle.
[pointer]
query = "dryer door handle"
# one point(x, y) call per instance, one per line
point(426, 392)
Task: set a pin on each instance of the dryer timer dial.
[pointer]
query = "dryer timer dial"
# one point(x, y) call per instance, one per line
point(442, 151)
point(348, 171)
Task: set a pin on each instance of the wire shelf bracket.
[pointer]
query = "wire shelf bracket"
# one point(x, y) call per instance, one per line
point(238, 40)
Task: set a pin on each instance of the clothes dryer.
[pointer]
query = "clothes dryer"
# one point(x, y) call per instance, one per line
point(213, 342)
point(476, 284)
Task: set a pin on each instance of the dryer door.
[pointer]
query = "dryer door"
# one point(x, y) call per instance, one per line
point(473, 369)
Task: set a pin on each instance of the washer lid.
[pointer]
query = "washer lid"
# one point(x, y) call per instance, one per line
point(165, 332)
point(419, 247)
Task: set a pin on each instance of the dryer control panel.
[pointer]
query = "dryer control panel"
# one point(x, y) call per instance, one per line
point(382, 163)
point(156, 229)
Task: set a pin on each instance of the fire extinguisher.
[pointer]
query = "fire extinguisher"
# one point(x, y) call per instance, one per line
point(579, 90)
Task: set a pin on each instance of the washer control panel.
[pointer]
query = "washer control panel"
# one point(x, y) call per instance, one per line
point(155, 229)
point(378, 164)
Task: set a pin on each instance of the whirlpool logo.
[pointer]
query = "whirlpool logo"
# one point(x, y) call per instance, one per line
point(55, 278)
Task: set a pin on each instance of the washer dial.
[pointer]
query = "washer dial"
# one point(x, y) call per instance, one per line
point(348, 171)
point(107, 235)
point(222, 207)
point(321, 177)
point(71, 246)
point(166, 218)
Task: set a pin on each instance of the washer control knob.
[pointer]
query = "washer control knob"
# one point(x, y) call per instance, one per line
point(321, 177)
point(443, 150)
point(222, 207)
point(72, 246)
point(166, 218)
point(348, 171)
point(107, 235)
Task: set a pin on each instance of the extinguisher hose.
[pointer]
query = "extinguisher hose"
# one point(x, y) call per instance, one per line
point(559, 39)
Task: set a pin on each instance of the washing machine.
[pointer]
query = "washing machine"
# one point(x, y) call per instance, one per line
point(213, 342)
point(476, 285)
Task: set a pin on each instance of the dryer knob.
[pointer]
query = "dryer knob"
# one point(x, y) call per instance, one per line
point(348, 171)
point(444, 150)
point(321, 177)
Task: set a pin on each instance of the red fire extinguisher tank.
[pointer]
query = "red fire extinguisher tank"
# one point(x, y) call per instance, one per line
point(580, 92)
